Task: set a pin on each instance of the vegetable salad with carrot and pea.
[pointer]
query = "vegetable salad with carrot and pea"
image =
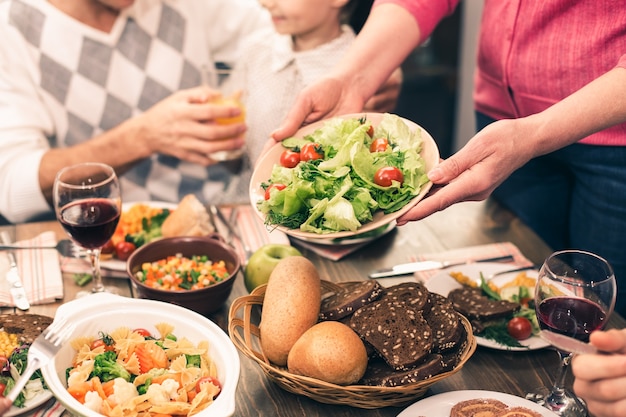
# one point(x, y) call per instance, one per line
point(180, 273)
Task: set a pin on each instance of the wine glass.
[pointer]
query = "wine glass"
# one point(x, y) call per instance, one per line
point(87, 203)
point(575, 295)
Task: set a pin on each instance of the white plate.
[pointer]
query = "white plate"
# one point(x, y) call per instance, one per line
point(29, 405)
point(353, 240)
point(440, 405)
point(117, 265)
point(442, 283)
point(263, 171)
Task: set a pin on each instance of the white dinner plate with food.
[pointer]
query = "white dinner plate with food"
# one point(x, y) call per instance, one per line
point(442, 283)
point(440, 405)
point(353, 240)
point(115, 264)
point(264, 167)
point(29, 405)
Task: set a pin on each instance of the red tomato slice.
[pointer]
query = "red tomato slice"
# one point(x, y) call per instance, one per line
point(379, 145)
point(289, 158)
point(385, 175)
point(520, 328)
point(143, 332)
point(310, 151)
point(273, 186)
point(124, 249)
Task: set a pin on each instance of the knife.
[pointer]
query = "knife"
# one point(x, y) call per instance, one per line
point(411, 267)
point(13, 278)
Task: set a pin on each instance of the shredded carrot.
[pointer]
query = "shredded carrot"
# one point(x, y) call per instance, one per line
point(179, 273)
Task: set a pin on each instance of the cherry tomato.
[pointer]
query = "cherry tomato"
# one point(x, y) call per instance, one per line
point(370, 131)
point(124, 249)
point(108, 248)
point(2, 388)
point(207, 379)
point(289, 158)
point(310, 151)
point(4, 361)
point(100, 342)
point(273, 186)
point(143, 332)
point(385, 175)
point(379, 145)
point(520, 328)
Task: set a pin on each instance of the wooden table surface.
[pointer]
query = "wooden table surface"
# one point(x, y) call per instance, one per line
point(465, 224)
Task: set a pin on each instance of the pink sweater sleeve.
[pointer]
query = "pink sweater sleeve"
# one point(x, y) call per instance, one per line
point(427, 13)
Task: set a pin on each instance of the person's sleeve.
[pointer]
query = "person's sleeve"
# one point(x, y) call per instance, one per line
point(427, 13)
point(23, 141)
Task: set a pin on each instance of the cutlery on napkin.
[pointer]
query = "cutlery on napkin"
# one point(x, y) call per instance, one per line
point(39, 271)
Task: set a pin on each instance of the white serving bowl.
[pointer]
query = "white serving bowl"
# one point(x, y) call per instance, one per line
point(106, 312)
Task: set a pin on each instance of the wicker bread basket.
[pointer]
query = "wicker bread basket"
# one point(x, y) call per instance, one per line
point(243, 322)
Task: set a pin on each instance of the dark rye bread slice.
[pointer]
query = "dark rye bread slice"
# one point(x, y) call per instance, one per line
point(26, 326)
point(353, 296)
point(452, 357)
point(444, 321)
point(399, 333)
point(378, 373)
point(471, 302)
point(414, 294)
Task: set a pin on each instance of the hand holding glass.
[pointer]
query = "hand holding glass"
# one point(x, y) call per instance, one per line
point(230, 86)
point(87, 203)
point(575, 295)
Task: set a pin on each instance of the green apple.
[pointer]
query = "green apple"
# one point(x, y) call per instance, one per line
point(262, 263)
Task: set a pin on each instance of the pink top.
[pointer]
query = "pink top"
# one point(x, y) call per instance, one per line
point(533, 54)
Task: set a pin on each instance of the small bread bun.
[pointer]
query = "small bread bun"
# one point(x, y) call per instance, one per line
point(329, 351)
point(189, 219)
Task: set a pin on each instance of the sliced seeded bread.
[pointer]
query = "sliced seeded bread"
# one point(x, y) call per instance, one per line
point(379, 373)
point(26, 326)
point(414, 294)
point(353, 296)
point(399, 333)
point(444, 321)
point(474, 305)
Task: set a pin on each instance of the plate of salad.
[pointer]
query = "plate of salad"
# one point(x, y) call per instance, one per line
point(139, 224)
point(34, 394)
point(343, 176)
point(515, 286)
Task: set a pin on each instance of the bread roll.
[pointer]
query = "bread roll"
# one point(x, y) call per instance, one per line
point(329, 351)
point(290, 307)
point(189, 219)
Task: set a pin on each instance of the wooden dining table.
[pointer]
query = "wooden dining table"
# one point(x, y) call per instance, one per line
point(459, 226)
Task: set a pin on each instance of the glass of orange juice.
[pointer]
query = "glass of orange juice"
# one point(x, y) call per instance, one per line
point(230, 85)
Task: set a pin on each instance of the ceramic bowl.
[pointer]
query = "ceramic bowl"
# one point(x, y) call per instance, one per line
point(205, 300)
point(106, 312)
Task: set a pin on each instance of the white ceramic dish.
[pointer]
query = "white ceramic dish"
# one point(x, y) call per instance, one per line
point(263, 171)
point(106, 312)
point(353, 240)
point(440, 405)
point(442, 283)
point(29, 405)
point(117, 265)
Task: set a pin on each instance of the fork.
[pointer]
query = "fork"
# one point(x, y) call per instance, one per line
point(65, 247)
point(232, 231)
point(44, 348)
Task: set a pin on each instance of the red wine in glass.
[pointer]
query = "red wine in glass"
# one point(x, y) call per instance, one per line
point(574, 317)
point(90, 222)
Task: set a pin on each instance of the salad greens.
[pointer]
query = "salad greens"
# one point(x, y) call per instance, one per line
point(16, 364)
point(338, 192)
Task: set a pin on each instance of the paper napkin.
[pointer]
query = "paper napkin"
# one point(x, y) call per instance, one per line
point(39, 270)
